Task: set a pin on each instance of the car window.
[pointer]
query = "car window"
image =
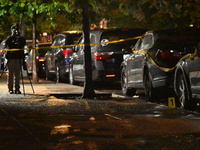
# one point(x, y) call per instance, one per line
point(73, 38)
point(138, 45)
point(147, 41)
point(79, 47)
point(110, 36)
point(55, 41)
point(62, 40)
point(2, 45)
point(82, 42)
point(198, 48)
point(92, 40)
point(43, 49)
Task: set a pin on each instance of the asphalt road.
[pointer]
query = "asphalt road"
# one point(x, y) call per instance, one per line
point(50, 119)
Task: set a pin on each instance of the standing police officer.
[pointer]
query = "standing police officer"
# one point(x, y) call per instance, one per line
point(15, 59)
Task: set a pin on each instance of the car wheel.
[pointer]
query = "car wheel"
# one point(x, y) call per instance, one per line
point(71, 77)
point(148, 87)
point(183, 95)
point(47, 74)
point(58, 79)
point(125, 89)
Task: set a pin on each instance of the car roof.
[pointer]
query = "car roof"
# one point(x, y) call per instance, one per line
point(100, 31)
point(68, 33)
point(135, 31)
point(175, 30)
point(41, 45)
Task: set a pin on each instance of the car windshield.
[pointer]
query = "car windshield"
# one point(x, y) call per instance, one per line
point(178, 42)
point(2, 45)
point(115, 35)
point(43, 49)
point(73, 38)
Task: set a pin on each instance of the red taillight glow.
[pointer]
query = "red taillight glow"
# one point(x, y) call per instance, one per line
point(169, 55)
point(40, 58)
point(3, 52)
point(125, 29)
point(110, 75)
point(66, 52)
point(102, 55)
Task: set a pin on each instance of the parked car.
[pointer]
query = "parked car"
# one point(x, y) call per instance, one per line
point(58, 56)
point(151, 64)
point(187, 80)
point(3, 60)
point(107, 54)
point(41, 50)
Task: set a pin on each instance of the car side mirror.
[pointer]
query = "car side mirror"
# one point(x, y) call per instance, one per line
point(192, 56)
point(197, 52)
point(127, 50)
point(189, 49)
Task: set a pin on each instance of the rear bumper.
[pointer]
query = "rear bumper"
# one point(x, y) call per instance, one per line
point(105, 75)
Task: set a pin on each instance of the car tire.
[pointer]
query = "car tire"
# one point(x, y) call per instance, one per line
point(71, 77)
point(47, 74)
point(125, 89)
point(58, 78)
point(184, 99)
point(148, 87)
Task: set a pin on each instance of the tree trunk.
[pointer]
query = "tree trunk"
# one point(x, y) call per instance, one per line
point(88, 85)
point(22, 26)
point(34, 69)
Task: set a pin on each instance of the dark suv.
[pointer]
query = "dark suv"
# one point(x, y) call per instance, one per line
point(107, 47)
point(151, 64)
point(58, 56)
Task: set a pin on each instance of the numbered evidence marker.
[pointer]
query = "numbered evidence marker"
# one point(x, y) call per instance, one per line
point(171, 102)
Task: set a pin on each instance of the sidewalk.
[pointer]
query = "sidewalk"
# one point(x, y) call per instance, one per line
point(22, 122)
point(44, 121)
point(45, 88)
point(16, 132)
point(42, 88)
point(38, 120)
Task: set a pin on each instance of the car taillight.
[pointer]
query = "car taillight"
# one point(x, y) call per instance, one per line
point(3, 52)
point(170, 54)
point(40, 58)
point(125, 29)
point(102, 55)
point(67, 52)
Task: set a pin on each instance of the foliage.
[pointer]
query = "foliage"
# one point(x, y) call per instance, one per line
point(54, 16)
point(163, 13)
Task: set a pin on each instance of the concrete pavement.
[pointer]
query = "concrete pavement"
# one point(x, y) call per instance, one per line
point(43, 87)
point(13, 133)
point(48, 120)
point(20, 114)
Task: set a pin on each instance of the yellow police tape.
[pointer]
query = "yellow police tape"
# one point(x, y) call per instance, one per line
point(153, 62)
point(115, 41)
